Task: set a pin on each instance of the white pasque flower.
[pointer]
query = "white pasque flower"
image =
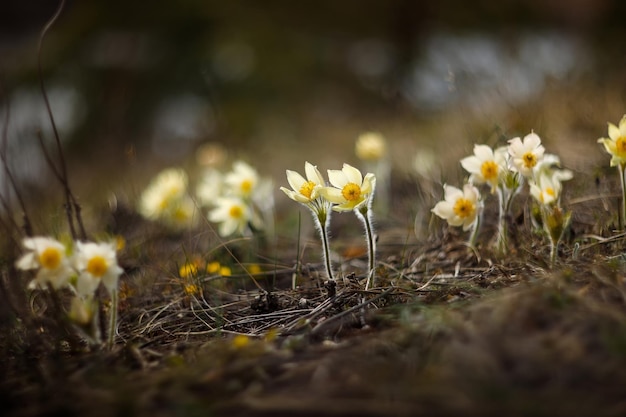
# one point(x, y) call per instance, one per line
point(459, 207)
point(50, 257)
point(349, 189)
point(485, 166)
point(209, 187)
point(242, 180)
point(304, 190)
point(371, 146)
point(231, 213)
point(527, 154)
point(95, 263)
point(547, 187)
point(615, 144)
point(163, 194)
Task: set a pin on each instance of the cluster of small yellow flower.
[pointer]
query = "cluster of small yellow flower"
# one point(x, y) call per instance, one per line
point(348, 191)
point(505, 169)
point(81, 268)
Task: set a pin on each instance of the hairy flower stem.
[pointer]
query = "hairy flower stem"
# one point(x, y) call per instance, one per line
point(112, 320)
point(364, 214)
point(475, 229)
point(505, 197)
point(322, 220)
point(622, 171)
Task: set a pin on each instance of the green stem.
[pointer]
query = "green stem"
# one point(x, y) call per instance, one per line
point(112, 320)
point(475, 229)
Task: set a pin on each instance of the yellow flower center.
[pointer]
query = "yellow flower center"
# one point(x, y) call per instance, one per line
point(246, 186)
point(463, 208)
point(351, 192)
point(307, 189)
point(489, 170)
point(97, 266)
point(548, 191)
point(235, 212)
point(530, 159)
point(620, 146)
point(50, 258)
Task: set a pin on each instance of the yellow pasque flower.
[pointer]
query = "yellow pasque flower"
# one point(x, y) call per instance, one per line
point(459, 207)
point(615, 144)
point(371, 146)
point(95, 263)
point(232, 214)
point(527, 154)
point(304, 190)
point(242, 180)
point(349, 189)
point(49, 257)
point(485, 166)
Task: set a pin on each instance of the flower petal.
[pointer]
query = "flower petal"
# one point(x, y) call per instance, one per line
point(353, 174)
point(313, 174)
point(337, 178)
point(295, 180)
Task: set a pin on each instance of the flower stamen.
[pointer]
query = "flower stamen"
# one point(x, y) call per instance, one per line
point(97, 266)
point(463, 208)
point(489, 170)
point(50, 258)
point(351, 191)
point(307, 189)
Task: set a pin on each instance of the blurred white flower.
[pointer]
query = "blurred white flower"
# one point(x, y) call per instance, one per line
point(527, 154)
point(459, 207)
point(83, 310)
point(209, 187)
point(232, 214)
point(371, 146)
point(50, 257)
point(485, 166)
point(242, 180)
point(349, 189)
point(95, 263)
point(166, 199)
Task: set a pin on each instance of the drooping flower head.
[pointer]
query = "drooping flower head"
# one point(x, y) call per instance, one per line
point(304, 190)
point(485, 166)
point(242, 180)
point(232, 214)
point(525, 155)
point(95, 263)
point(459, 207)
point(546, 189)
point(349, 189)
point(615, 144)
point(49, 256)
point(371, 146)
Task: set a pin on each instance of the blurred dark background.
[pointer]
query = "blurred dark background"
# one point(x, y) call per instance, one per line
point(151, 81)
